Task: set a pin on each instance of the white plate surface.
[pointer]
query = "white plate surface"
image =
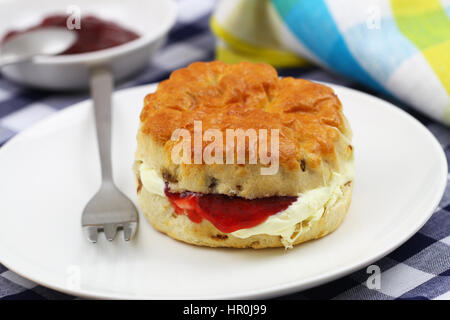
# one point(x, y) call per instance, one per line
point(49, 172)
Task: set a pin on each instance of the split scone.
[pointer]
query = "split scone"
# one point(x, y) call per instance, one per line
point(305, 190)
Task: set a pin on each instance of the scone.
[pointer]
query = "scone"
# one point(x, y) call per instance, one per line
point(301, 193)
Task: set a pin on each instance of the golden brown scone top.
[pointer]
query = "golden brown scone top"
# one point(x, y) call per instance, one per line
point(247, 95)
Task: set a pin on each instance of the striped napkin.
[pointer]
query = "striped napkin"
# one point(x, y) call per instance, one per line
point(398, 47)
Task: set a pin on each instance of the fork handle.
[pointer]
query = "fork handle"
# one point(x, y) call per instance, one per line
point(101, 85)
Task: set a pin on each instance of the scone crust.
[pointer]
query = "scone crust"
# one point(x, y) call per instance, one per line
point(159, 212)
point(315, 138)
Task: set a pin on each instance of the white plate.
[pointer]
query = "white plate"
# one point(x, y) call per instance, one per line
point(49, 172)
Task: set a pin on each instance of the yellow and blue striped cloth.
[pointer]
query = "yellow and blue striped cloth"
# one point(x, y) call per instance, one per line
point(398, 47)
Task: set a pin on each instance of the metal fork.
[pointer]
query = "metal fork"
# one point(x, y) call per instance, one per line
point(109, 210)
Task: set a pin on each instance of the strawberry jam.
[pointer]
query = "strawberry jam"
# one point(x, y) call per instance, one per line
point(227, 213)
point(94, 33)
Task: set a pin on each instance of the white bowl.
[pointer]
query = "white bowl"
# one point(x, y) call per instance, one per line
point(151, 19)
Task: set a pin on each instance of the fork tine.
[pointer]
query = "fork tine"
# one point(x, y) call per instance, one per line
point(110, 230)
point(128, 231)
point(91, 233)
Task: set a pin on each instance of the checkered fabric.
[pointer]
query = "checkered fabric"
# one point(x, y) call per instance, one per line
point(379, 43)
point(419, 269)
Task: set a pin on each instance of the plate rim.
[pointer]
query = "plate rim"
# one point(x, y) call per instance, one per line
point(280, 289)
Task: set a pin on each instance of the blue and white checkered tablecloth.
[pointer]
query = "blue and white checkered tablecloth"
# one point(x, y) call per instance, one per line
point(419, 269)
